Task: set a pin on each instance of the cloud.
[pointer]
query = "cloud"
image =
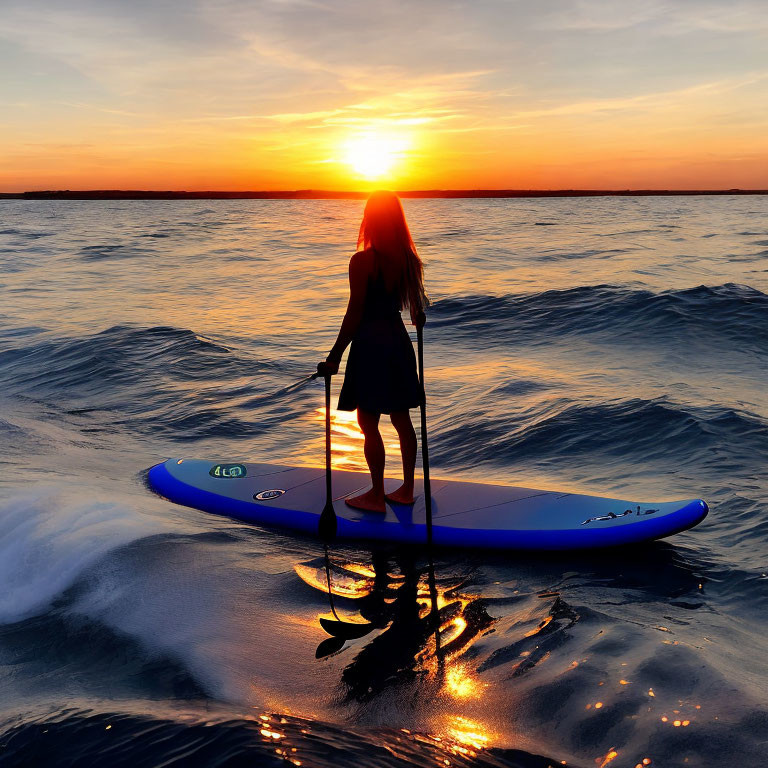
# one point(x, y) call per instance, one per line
point(600, 15)
point(657, 17)
point(648, 101)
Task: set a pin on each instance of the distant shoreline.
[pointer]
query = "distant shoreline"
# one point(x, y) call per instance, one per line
point(321, 194)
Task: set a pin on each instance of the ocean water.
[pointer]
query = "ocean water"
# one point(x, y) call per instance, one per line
point(613, 346)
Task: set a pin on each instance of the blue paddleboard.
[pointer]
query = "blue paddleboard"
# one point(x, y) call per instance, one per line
point(464, 514)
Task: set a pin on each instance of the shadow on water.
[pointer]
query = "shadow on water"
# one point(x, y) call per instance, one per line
point(414, 637)
point(415, 640)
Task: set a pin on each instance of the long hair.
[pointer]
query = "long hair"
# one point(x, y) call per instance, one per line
point(385, 230)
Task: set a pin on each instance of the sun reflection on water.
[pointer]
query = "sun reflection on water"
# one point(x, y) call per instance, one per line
point(347, 440)
point(343, 586)
point(468, 733)
point(603, 761)
point(271, 733)
point(461, 683)
point(457, 736)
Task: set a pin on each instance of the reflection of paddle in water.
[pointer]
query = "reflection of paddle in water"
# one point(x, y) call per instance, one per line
point(422, 637)
point(340, 631)
point(411, 639)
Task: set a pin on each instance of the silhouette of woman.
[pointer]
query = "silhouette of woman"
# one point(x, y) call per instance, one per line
point(385, 277)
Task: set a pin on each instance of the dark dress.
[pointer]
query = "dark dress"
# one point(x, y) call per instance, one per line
point(381, 368)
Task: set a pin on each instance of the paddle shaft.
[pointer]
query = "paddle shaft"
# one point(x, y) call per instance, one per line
point(328, 491)
point(327, 524)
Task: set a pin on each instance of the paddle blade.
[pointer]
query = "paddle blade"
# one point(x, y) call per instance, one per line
point(346, 629)
point(329, 646)
point(326, 527)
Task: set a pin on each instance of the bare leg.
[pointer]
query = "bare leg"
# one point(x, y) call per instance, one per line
point(373, 500)
point(401, 421)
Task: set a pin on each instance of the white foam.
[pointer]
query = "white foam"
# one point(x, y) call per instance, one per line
point(50, 536)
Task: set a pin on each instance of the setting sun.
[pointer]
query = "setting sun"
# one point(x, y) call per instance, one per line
point(372, 154)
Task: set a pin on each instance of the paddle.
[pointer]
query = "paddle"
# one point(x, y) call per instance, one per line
point(326, 529)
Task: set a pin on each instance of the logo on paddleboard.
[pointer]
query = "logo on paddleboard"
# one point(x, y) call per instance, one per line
point(273, 493)
point(227, 470)
point(614, 516)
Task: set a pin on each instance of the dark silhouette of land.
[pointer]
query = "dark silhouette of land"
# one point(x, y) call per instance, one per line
point(321, 194)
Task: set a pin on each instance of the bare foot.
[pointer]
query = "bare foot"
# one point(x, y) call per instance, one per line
point(368, 501)
point(403, 495)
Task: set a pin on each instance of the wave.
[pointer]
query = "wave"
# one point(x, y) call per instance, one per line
point(120, 355)
point(627, 430)
point(594, 253)
point(170, 379)
point(105, 252)
point(85, 651)
point(50, 537)
point(745, 258)
point(218, 737)
point(726, 313)
point(25, 234)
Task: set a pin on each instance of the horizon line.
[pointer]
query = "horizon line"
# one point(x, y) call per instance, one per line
point(321, 194)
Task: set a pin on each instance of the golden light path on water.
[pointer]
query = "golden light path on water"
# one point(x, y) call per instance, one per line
point(347, 439)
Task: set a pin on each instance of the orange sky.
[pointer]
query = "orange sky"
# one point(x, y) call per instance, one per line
point(296, 94)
